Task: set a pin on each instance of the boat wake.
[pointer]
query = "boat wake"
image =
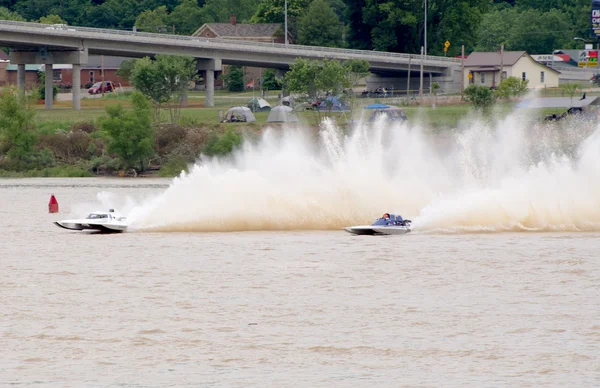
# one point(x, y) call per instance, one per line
point(512, 175)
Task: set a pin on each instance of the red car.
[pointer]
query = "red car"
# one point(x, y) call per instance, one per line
point(109, 86)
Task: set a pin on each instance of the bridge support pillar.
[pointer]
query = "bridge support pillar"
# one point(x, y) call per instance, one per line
point(76, 87)
point(209, 66)
point(48, 57)
point(209, 83)
point(21, 76)
point(49, 86)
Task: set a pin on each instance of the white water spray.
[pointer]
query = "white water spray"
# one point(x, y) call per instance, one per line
point(511, 176)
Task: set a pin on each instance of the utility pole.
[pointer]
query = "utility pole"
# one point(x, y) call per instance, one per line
point(462, 72)
point(102, 69)
point(501, 61)
point(425, 43)
point(286, 31)
point(408, 78)
point(421, 85)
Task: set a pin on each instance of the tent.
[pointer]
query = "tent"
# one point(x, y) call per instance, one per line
point(239, 114)
point(258, 105)
point(335, 104)
point(282, 114)
point(391, 113)
point(287, 101)
point(377, 106)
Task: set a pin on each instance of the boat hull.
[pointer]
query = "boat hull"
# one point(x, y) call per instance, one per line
point(102, 227)
point(370, 230)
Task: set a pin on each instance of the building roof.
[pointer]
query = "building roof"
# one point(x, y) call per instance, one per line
point(492, 59)
point(228, 30)
point(558, 102)
point(479, 59)
point(13, 67)
point(3, 56)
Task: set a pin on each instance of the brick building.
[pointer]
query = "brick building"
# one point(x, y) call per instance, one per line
point(63, 73)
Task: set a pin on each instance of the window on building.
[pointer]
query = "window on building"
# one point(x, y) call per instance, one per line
point(541, 76)
point(504, 75)
point(524, 76)
point(57, 75)
point(92, 77)
point(482, 78)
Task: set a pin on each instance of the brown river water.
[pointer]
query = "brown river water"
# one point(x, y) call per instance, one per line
point(287, 308)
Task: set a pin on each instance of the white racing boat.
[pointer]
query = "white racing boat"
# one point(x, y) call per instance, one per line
point(388, 224)
point(108, 222)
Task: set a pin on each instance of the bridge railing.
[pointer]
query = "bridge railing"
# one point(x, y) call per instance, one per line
point(236, 43)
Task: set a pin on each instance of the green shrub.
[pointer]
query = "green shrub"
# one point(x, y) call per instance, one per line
point(42, 87)
point(174, 167)
point(222, 145)
point(481, 96)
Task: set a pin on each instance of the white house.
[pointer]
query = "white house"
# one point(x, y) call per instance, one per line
point(483, 68)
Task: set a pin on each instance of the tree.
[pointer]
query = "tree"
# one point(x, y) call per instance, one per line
point(526, 29)
point(52, 19)
point(187, 17)
point(359, 32)
point(302, 76)
point(130, 133)
point(164, 81)
point(152, 21)
point(570, 90)
point(234, 79)
point(126, 68)
point(16, 122)
point(42, 87)
point(512, 87)
point(320, 26)
point(270, 81)
point(272, 11)
point(356, 69)
point(7, 14)
point(73, 11)
point(219, 11)
point(481, 96)
point(328, 78)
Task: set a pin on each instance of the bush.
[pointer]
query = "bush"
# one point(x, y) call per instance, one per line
point(481, 96)
point(42, 87)
point(105, 164)
point(68, 147)
point(270, 82)
point(512, 87)
point(234, 79)
point(84, 126)
point(222, 145)
point(129, 132)
point(168, 137)
point(174, 167)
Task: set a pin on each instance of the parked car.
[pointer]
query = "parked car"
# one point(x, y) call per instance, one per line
point(96, 88)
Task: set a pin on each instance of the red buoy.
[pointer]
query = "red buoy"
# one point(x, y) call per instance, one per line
point(53, 205)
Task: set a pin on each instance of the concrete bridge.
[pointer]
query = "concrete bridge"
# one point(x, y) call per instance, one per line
point(34, 43)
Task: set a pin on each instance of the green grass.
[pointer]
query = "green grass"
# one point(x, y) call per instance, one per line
point(443, 116)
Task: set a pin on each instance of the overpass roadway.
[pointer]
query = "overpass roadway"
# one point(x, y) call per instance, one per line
point(41, 39)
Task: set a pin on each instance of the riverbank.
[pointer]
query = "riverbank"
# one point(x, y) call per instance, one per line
point(70, 143)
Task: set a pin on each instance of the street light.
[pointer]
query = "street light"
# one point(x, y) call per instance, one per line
point(285, 11)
